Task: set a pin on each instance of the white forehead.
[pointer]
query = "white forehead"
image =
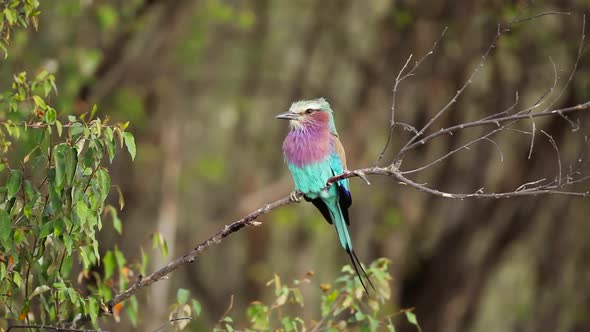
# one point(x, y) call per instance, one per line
point(316, 104)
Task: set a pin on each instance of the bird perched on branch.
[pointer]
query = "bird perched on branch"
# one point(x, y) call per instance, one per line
point(314, 154)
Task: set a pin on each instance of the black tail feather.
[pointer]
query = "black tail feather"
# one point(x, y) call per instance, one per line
point(356, 264)
point(362, 269)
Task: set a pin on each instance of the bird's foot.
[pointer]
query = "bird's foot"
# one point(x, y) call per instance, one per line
point(295, 197)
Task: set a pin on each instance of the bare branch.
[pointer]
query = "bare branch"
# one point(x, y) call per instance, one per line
point(191, 255)
point(459, 92)
point(170, 322)
point(516, 21)
point(576, 64)
point(506, 111)
point(400, 77)
point(552, 141)
point(524, 185)
point(501, 31)
point(463, 147)
point(496, 122)
point(532, 139)
point(547, 190)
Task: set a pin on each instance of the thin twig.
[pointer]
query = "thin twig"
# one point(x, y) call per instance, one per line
point(192, 254)
point(229, 307)
point(400, 77)
point(576, 64)
point(170, 322)
point(463, 147)
point(501, 31)
point(459, 92)
point(496, 122)
point(552, 141)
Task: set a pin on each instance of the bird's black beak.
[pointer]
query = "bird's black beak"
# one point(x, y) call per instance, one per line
point(287, 116)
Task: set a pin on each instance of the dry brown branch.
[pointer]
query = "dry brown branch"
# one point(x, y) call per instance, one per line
point(191, 255)
point(401, 76)
point(500, 32)
point(465, 146)
point(494, 122)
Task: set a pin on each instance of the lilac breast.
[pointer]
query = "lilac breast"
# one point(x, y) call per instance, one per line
point(304, 146)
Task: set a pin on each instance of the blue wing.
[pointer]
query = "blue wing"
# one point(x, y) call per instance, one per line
point(338, 165)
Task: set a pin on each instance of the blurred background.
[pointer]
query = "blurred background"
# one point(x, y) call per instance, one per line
point(201, 80)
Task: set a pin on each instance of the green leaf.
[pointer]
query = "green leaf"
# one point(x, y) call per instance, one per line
point(10, 15)
point(116, 221)
point(104, 182)
point(107, 16)
point(159, 241)
point(111, 144)
point(197, 307)
point(68, 243)
point(39, 102)
point(132, 310)
point(2, 271)
point(93, 309)
point(66, 268)
point(14, 181)
point(58, 227)
point(119, 258)
point(71, 163)
point(17, 279)
point(130, 143)
point(182, 295)
point(85, 258)
point(5, 226)
point(82, 212)
point(109, 264)
point(93, 112)
point(60, 169)
point(4, 50)
point(59, 127)
point(50, 115)
point(288, 324)
point(39, 290)
point(46, 230)
point(121, 198)
point(411, 317)
point(54, 197)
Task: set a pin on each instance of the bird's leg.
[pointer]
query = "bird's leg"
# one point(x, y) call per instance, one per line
point(294, 196)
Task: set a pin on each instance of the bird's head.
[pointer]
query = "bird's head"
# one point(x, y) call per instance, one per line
point(309, 112)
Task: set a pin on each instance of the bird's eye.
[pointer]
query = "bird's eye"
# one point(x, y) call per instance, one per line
point(309, 111)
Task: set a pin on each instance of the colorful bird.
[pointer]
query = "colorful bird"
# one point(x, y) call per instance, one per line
point(314, 154)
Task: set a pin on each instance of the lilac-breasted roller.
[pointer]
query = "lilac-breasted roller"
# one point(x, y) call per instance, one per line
point(314, 154)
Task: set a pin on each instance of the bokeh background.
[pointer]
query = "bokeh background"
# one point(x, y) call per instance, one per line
point(201, 80)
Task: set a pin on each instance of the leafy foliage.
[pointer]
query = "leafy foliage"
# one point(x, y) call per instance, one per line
point(54, 186)
point(16, 13)
point(344, 305)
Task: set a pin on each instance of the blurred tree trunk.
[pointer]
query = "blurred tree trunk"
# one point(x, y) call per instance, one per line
point(167, 221)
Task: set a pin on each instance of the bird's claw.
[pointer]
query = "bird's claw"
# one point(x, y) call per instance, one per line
point(295, 197)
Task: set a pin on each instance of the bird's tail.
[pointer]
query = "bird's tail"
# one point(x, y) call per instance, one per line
point(346, 242)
